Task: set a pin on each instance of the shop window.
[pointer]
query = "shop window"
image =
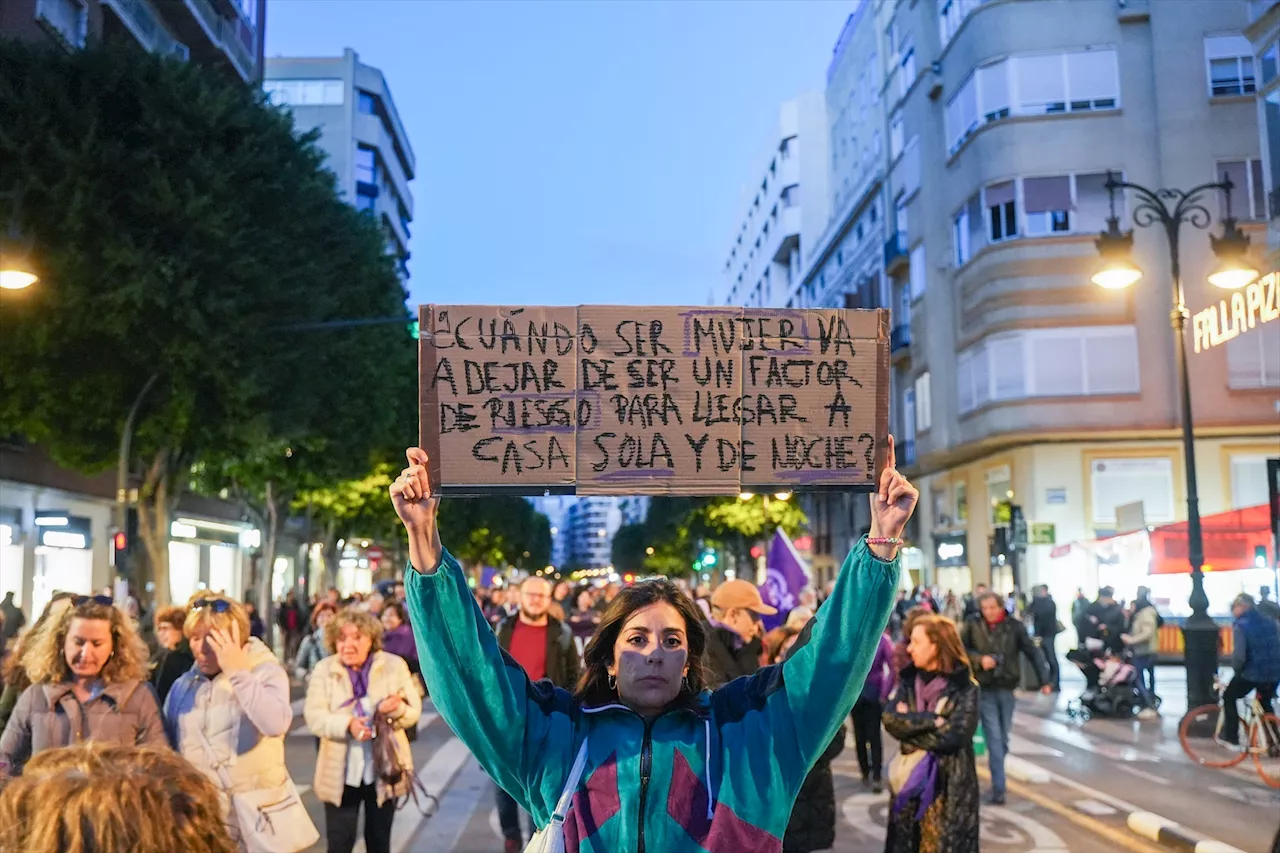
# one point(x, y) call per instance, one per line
point(1117, 482)
point(1249, 481)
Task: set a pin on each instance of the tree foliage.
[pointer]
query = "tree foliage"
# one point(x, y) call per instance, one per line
point(729, 518)
point(495, 531)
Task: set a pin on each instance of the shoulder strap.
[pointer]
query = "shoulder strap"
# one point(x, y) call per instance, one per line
point(220, 767)
point(575, 776)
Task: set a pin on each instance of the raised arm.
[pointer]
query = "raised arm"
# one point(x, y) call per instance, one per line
point(506, 721)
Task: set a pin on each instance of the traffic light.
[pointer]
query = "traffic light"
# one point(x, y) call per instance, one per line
point(119, 551)
point(414, 330)
point(709, 558)
point(1259, 556)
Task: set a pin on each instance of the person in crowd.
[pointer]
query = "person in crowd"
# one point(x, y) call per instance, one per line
point(397, 591)
point(993, 641)
point(1255, 657)
point(867, 711)
point(333, 596)
point(735, 639)
point(1042, 610)
point(292, 625)
point(374, 604)
point(230, 712)
point(584, 617)
point(88, 676)
point(971, 607)
point(1141, 640)
point(256, 628)
point(1103, 620)
point(812, 825)
point(397, 639)
point(14, 675)
point(108, 798)
point(641, 717)
point(776, 644)
point(901, 656)
point(1266, 606)
point(933, 714)
point(346, 690)
point(953, 607)
point(562, 598)
point(544, 646)
point(607, 595)
point(175, 657)
point(314, 647)
point(12, 620)
point(497, 609)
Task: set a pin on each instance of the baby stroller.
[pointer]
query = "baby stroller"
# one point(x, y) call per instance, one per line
point(1117, 694)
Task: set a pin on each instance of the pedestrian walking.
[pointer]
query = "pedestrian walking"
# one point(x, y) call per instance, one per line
point(256, 628)
point(1266, 606)
point(1042, 611)
point(1255, 656)
point(971, 607)
point(933, 714)
point(175, 656)
point(88, 676)
point(108, 798)
point(641, 726)
point(12, 620)
point(735, 640)
point(345, 692)
point(867, 711)
point(292, 626)
point(1141, 638)
point(953, 608)
point(314, 646)
point(544, 646)
point(993, 641)
point(397, 639)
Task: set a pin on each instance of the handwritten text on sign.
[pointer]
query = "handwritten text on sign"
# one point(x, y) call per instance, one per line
point(620, 400)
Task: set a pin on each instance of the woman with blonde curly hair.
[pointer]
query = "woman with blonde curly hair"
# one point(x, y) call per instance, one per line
point(345, 691)
point(106, 798)
point(88, 682)
point(13, 675)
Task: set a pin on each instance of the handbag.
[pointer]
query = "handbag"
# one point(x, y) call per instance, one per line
point(550, 839)
point(391, 766)
point(271, 820)
point(902, 764)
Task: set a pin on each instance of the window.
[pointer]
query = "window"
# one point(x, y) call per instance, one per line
point(907, 172)
point(900, 211)
point(368, 103)
point(839, 257)
point(1249, 481)
point(1253, 359)
point(791, 196)
point(907, 65)
point(918, 272)
point(1048, 204)
point(1268, 59)
point(1101, 360)
point(924, 402)
point(785, 149)
point(967, 231)
point(910, 415)
point(305, 93)
point(1230, 62)
point(897, 138)
point(366, 166)
point(1248, 194)
point(1002, 212)
point(962, 115)
point(951, 14)
point(366, 201)
point(67, 18)
point(1116, 482)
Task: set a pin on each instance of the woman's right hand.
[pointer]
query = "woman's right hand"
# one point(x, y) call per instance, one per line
point(359, 728)
point(416, 507)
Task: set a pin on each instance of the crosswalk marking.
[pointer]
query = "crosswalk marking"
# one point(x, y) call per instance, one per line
point(1093, 808)
point(1142, 774)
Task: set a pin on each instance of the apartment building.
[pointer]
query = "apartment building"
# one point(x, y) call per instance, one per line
point(1263, 33)
point(589, 527)
point(360, 131)
point(786, 208)
point(221, 33)
point(1028, 385)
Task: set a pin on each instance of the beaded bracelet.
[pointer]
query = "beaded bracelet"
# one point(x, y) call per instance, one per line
point(883, 540)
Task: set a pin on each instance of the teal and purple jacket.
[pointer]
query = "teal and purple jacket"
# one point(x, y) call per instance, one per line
point(719, 774)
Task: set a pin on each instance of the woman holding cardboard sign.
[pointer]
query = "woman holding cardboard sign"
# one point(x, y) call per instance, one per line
point(641, 756)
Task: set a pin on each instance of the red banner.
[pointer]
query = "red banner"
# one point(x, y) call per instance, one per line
point(1231, 540)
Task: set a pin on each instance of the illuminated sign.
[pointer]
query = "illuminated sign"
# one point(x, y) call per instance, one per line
point(951, 550)
point(63, 539)
point(1245, 309)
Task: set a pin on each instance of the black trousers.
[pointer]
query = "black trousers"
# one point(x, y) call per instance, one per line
point(509, 818)
point(1238, 689)
point(340, 822)
point(867, 735)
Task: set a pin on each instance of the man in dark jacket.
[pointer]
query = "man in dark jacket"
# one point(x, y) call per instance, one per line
point(1103, 620)
point(12, 621)
point(1255, 655)
point(544, 647)
point(993, 640)
point(1043, 613)
point(734, 643)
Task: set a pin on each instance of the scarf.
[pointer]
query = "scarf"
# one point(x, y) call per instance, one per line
point(929, 691)
point(359, 684)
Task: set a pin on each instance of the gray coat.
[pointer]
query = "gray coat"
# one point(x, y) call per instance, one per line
point(48, 716)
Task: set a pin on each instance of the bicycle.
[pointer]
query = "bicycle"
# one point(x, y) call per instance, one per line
point(1200, 733)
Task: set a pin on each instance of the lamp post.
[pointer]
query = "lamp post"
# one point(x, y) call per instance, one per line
point(1171, 209)
point(16, 271)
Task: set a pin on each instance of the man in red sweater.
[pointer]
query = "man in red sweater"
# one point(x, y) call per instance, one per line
point(544, 647)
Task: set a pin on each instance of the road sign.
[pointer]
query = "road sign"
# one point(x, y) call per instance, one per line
point(1042, 533)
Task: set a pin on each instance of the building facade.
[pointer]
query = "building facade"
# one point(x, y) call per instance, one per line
point(785, 210)
point(221, 33)
point(1029, 386)
point(360, 131)
point(1263, 33)
point(589, 527)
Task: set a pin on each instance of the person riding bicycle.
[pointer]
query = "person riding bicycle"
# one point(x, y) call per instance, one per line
point(1256, 659)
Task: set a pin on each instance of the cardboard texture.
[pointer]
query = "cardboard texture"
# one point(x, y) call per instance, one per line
point(653, 400)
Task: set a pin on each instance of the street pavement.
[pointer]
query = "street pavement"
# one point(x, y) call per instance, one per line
point(1092, 776)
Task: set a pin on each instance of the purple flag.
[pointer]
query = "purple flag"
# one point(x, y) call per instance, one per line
point(785, 575)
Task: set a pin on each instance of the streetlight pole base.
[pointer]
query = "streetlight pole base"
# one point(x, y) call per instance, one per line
point(1200, 644)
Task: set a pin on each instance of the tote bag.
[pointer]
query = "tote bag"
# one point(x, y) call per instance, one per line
point(550, 839)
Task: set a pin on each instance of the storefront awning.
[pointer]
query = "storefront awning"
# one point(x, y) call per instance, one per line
point(1231, 541)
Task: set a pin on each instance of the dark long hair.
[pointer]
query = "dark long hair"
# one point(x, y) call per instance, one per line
point(593, 687)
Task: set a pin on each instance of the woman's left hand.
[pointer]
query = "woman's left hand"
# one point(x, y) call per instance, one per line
point(228, 649)
point(895, 500)
point(391, 704)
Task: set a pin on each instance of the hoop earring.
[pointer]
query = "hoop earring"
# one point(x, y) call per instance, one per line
point(687, 685)
point(613, 683)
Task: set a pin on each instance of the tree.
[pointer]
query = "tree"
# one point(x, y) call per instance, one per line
point(734, 523)
point(495, 531)
point(628, 552)
point(182, 229)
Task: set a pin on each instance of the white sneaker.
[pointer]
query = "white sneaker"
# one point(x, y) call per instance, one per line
point(1232, 747)
point(1148, 714)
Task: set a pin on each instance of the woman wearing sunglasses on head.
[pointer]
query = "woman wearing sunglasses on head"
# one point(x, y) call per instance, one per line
point(88, 674)
point(229, 714)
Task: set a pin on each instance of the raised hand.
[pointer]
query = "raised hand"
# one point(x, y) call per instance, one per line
point(416, 507)
point(227, 648)
point(895, 500)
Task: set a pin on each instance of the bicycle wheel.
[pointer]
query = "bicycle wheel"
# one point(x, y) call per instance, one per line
point(1265, 747)
point(1200, 733)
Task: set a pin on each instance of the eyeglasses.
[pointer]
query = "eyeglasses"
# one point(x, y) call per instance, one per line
point(217, 605)
point(81, 600)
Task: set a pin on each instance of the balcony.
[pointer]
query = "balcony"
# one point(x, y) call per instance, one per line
point(895, 252)
point(900, 341)
point(212, 37)
point(144, 23)
point(907, 452)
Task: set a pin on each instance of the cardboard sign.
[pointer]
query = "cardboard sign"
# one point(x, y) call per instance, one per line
point(607, 400)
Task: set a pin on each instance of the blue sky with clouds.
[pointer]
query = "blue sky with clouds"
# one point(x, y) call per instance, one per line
point(576, 152)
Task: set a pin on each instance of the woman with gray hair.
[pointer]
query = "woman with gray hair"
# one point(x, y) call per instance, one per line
point(345, 692)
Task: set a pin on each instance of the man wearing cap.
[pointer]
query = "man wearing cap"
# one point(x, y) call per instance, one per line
point(734, 641)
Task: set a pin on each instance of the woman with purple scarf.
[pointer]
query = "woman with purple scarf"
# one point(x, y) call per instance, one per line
point(397, 639)
point(933, 714)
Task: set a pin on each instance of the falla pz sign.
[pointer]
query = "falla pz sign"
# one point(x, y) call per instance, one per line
point(1246, 308)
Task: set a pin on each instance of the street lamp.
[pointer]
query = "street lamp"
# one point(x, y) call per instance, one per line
point(1171, 208)
point(16, 271)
